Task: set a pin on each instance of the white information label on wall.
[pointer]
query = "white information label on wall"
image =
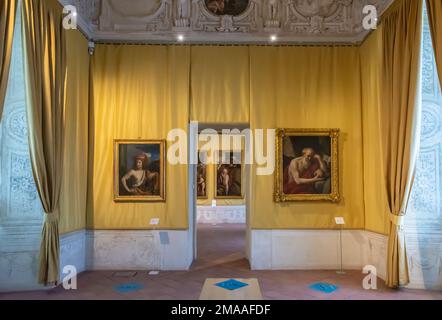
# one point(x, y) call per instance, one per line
point(154, 221)
point(213, 203)
point(339, 220)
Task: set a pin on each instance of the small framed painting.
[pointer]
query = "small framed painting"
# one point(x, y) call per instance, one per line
point(139, 170)
point(307, 165)
point(228, 175)
point(201, 176)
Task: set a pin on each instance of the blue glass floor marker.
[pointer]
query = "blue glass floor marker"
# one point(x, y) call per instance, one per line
point(128, 287)
point(231, 284)
point(323, 287)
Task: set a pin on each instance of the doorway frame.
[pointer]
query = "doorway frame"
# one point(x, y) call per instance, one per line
point(195, 128)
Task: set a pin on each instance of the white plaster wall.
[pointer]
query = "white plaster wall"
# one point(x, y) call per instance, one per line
point(221, 214)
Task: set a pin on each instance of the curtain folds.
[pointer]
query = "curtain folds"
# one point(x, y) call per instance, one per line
point(434, 9)
point(400, 123)
point(74, 185)
point(220, 84)
point(308, 87)
point(139, 92)
point(376, 206)
point(45, 67)
point(7, 21)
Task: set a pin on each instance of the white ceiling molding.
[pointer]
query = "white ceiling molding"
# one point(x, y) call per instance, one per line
point(288, 21)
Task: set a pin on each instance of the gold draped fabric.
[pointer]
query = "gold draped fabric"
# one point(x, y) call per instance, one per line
point(45, 66)
point(308, 87)
point(140, 92)
point(7, 21)
point(220, 84)
point(434, 9)
point(74, 179)
point(295, 87)
point(131, 85)
point(400, 123)
point(377, 218)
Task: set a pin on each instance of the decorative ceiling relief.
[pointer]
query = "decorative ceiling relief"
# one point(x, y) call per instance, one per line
point(319, 16)
point(225, 21)
point(135, 15)
point(227, 7)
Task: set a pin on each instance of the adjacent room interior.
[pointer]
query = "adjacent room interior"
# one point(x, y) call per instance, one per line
point(222, 189)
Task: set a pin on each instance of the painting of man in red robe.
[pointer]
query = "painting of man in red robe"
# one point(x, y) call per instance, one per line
point(306, 165)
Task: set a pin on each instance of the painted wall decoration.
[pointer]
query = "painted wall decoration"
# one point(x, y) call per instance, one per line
point(139, 170)
point(228, 175)
point(201, 177)
point(227, 7)
point(306, 165)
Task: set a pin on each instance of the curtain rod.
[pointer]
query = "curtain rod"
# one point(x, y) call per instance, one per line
point(191, 44)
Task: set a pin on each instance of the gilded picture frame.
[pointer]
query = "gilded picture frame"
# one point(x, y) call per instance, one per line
point(307, 165)
point(235, 172)
point(139, 171)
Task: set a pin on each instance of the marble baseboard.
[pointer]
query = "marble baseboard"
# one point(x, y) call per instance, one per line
point(18, 271)
point(19, 266)
point(137, 250)
point(73, 252)
point(272, 250)
point(376, 246)
point(171, 250)
point(19, 258)
point(221, 214)
point(317, 250)
point(424, 250)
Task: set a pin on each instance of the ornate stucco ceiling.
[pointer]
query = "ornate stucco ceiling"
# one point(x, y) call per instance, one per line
point(217, 21)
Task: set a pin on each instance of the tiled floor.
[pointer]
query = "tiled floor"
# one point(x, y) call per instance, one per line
point(220, 252)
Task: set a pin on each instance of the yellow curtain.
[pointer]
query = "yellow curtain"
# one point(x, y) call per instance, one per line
point(7, 21)
point(308, 87)
point(375, 201)
point(45, 67)
point(295, 87)
point(140, 92)
point(75, 158)
point(400, 121)
point(220, 84)
point(434, 9)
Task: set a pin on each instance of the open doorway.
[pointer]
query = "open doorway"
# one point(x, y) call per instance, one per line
point(220, 197)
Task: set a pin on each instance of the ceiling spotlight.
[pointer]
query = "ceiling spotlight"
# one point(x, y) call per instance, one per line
point(273, 38)
point(180, 38)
